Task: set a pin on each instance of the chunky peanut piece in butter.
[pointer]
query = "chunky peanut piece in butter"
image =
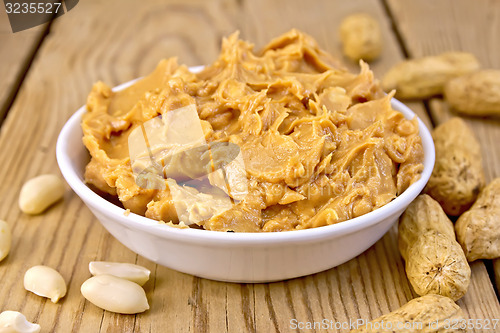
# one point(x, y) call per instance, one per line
point(320, 145)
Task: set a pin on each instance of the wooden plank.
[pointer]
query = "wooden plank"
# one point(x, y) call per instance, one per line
point(360, 302)
point(359, 288)
point(16, 52)
point(84, 46)
point(366, 287)
point(431, 27)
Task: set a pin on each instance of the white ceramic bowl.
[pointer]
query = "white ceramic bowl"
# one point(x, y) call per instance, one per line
point(237, 257)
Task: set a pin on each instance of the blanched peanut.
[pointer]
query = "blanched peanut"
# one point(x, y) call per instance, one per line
point(46, 282)
point(16, 322)
point(131, 272)
point(361, 37)
point(115, 294)
point(5, 239)
point(39, 193)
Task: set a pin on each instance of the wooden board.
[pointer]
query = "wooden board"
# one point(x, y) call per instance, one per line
point(471, 26)
point(85, 45)
point(16, 53)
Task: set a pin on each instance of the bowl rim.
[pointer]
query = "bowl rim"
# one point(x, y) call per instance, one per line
point(139, 222)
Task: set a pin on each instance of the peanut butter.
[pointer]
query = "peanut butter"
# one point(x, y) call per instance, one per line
point(320, 145)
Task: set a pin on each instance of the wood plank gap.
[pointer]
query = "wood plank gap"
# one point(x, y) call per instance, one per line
point(432, 119)
point(404, 49)
point(395, 29)
point(11, 98)
point(225, 311)
point(254, 311)
point(491, 272)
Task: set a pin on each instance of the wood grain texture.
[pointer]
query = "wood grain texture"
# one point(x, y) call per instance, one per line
point(432, 27)
point(116, 41)
point(85, 46)
point(16, 52)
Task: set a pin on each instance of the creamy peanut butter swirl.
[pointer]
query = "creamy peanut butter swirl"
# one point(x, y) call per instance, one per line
point(320, 145)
